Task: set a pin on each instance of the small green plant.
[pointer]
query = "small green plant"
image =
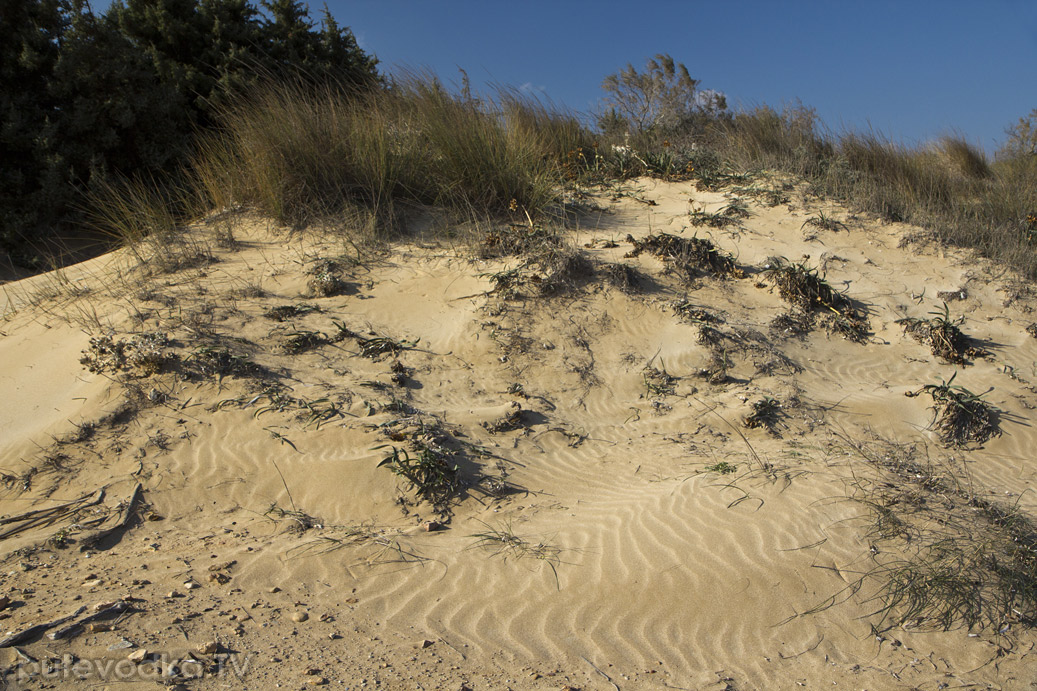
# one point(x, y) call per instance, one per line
point(428, 471)
point(721, 468)
point(961, 417)
point(506, 282)
point(823, 222)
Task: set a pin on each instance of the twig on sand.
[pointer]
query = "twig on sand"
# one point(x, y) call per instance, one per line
point(285, 483)
point(607, 677)
point(451, 646)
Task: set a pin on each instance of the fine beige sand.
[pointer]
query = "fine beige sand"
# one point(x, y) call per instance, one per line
point(614, 558)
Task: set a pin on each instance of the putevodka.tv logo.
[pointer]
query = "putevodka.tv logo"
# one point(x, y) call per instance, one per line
point(158, 667)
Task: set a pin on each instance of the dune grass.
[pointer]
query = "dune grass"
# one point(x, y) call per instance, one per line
point(368, 162)
point(371, 160)
point(298, 154)
point(943, 554)
point(949, 187)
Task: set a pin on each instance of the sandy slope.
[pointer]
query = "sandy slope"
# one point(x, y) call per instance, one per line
point(624, 561)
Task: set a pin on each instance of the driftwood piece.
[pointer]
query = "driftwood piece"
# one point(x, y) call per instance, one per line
point(75, 627)
point(90, 540)
point(37, 630)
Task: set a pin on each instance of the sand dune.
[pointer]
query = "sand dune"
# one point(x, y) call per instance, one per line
point(616, 523)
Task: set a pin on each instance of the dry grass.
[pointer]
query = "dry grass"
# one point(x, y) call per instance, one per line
point(949, 187)
point(297, 154)
point(942, 335)
point(808, 292)
point(961, 416)
point(942, 555)
point(690, 257)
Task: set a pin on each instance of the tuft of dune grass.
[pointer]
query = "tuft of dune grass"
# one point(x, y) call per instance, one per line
point(297, 153)
point(949, 188)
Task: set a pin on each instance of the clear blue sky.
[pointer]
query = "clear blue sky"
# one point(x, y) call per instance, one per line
point(910, 69)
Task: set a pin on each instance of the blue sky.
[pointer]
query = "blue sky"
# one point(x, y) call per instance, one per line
point(911, 70)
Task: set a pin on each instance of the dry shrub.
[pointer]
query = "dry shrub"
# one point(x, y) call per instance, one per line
point(961, 416)
point(690, 256)
point(942, 335)
point(143, 354)
point(809, 293)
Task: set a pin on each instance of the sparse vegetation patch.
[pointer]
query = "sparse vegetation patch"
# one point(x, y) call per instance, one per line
point(943, 336)
point(220, 362)
point(727, 216)
point(694, 314)
point(721, 468)
point(296, 342)
point(823, 222)
point(943, 556)
point(765, 413)
point(142, 355)
point(808, 292)
point(373, 345)
point(962, 417)
point(658, 382)
point(429, 471)
point(689, 256)
point(283, 313)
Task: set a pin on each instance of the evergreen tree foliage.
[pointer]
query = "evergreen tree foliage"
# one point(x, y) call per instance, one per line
point(84, 97)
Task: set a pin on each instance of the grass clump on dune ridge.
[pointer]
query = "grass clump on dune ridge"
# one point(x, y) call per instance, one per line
point(948, 187)
point(298, 154)
point(369, 162)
